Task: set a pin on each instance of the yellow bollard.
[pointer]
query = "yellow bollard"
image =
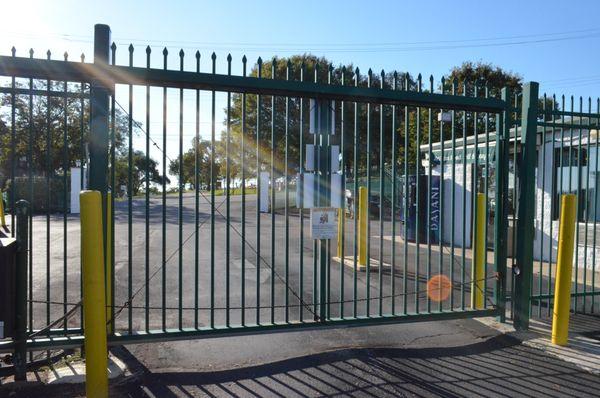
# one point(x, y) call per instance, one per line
point(94, 304)
point(564, 264)
point(363, 219)
point(108, 268)
point(479, 257)
point(2, 217)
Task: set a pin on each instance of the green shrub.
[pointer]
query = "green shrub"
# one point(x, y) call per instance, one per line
point(35, 190)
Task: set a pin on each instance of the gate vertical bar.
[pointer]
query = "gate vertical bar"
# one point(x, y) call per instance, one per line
point(13, 150)
point(355, 198)
point(110, 261)
point(394, 199)
point(258, 168)
point(486, 192)
point(442, 166)
point(342, 231)
point(197, 200)
point(180, 207)
point(164, 202)
point(287, 216)
point(369, 160)
point(130, 200)
point(429, 174)
point(381, 196)
point(65, 166)
point(524, 264)
point(147, 204)
point(272, 188)
point(243, 222)
point(213, 173)
point(20, 353)
point(30, 181)
point(301, 208)
point(48, 176)
point(503, 124)
point(228, 201)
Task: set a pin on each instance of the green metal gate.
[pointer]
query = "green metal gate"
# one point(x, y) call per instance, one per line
point(193, 249)
point(565, 132)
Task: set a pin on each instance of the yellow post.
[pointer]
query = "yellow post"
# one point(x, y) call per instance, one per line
point(94, 304)
point(562, 288)
point(108, 268)
point(363, 219)
point(2, 217)
point(340, 237)
point(479, 257)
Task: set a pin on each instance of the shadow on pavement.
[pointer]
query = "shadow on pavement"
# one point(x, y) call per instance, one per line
point(499, 366)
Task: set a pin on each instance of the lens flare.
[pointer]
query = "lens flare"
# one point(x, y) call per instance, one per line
point(439, 288)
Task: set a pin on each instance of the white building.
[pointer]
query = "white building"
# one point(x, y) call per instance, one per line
point(567, 162)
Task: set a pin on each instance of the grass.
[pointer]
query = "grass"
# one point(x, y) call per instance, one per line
point(235, 191)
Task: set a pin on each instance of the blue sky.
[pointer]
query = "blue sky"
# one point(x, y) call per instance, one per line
point(553, 42)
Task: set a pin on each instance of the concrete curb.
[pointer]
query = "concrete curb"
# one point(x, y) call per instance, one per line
point(582, 351)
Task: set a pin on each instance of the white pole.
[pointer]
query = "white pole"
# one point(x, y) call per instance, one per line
point(264, 191)
point(76, 188)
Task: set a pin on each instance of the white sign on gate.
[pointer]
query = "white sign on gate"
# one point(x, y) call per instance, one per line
point(323, 223)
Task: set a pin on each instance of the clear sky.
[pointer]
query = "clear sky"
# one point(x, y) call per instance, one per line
point(553, 42)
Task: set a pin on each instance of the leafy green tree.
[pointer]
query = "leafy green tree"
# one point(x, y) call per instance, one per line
point(39, 132)
point(413, 125)
point(481, 74)
point(202, 149)
point(469, 79)
point(139, 166)
point(273, 113)
point(44, 125)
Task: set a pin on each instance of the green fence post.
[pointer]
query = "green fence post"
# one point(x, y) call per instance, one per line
point(525, 208)
point(20, 352)
point(99, 111)
point(503, 124)
point(99, 123)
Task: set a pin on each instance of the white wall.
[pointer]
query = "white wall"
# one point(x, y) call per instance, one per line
point(461, 207)
point(545, 245)
point(546, 234)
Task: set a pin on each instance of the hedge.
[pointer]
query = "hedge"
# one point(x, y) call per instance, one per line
point(39, 201)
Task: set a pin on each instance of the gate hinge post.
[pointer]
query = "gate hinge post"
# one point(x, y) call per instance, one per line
point(503, 124)
point(523, 270)
point(99, 121)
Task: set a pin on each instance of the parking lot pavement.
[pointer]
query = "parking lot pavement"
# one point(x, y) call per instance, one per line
point(187, 257)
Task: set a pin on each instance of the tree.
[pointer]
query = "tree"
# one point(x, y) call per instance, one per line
point(44, 124)
point(139, 166)
point(480, 74)
point(39, 132)
point(273, 113)
point(202, 149)
point(470, 79)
